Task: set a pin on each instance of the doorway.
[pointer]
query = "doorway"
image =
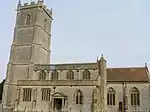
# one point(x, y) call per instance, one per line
point(58, 104)
point(120, 107)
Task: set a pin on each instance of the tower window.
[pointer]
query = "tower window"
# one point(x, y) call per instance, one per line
point(45, 24)
point(42, 75)
point(27, 94)
point(78, 97)
point(70, 75)
point(111, 96)
point(46, 94)
point(135, 97)
point(86, 74)
point(28, 19)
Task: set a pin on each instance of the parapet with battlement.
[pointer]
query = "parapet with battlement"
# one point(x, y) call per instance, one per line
point(39, 4)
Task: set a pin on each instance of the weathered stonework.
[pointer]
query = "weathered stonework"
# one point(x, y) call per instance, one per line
point(30, 87)
point(31, 45)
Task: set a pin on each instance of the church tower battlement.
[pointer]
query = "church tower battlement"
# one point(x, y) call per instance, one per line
point(36, 4)
point(31, 45)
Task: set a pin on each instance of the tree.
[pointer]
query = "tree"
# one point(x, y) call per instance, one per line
point(1, 89)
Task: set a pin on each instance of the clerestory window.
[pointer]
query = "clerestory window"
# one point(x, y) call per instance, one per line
point(86, 74)
point(70, 75)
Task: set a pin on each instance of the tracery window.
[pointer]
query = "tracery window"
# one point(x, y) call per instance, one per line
point(78, 97)
point(111, 96)
point(54, 75)
point(42, 75)
point(86, 74)
point(70, 75)
point(28, 19)
point(135, 96)
point(27, 94)
point(46, 94)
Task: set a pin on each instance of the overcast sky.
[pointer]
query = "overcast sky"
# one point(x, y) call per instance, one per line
point(84, 29)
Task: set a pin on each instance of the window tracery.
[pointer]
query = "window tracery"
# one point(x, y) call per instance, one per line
point(78, 97)
point(111, 96)
point(135, 96)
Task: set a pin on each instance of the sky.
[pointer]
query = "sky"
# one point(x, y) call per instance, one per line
point(82, 30)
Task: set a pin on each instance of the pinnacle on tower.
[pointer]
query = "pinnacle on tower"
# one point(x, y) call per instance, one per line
point(145, 64)
point(19, 2)
point(41, 1)
point(98, 65)
point(97, 59)
point(102, 58)
point(18, 6)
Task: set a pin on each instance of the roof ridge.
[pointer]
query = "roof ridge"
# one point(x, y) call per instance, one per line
point(73, 63)
point(126, 67)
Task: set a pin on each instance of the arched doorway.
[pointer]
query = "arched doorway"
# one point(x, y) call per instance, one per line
point(120, 107)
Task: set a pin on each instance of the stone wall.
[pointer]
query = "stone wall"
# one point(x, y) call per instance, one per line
point(31, 45)
point(66, 90)
point(144, 96)
point(87, 92)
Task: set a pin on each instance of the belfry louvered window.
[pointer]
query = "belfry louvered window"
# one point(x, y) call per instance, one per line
point(28, 19)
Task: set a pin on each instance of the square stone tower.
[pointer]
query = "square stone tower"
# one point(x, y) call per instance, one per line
point(31, 45)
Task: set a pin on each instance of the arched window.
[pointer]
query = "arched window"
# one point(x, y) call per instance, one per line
point(135, 96)
point(28, 19)
point(86, 74)
point(45, 23)
point(42, 75)
point(70, 75)
point(78, 97)
point(111, 96)
point(54, 75)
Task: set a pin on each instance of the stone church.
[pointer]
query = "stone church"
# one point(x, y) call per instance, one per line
point(33, 84)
